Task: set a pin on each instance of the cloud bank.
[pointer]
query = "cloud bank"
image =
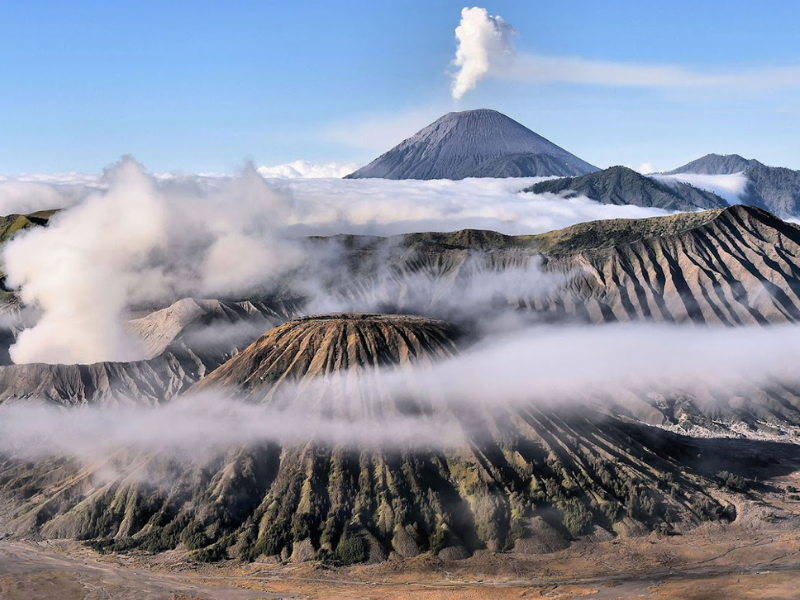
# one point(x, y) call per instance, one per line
point(145, 242)
point(731, 188)
point(544, 366)
point(300, 169)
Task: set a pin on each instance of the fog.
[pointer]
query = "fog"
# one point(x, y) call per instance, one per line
point(143, 240)
point(393, 407)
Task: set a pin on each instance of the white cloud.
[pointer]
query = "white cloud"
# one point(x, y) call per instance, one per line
point(389, 207)
point(155, 240)
point(484, 42)
point(536, 68)
point(645, 168)
point(485, 49)
point(27, 193)
point(303, 169)
point(542, 364)
point(730, 187)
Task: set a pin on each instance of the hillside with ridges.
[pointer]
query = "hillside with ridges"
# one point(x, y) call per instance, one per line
point(733, 266)
point(776, 189)
point(621, 186)
point(185, 342)
point(528, 478)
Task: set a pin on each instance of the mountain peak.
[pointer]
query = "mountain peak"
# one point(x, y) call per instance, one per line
point(474, 143)
point(622, 185)
point(717, 164)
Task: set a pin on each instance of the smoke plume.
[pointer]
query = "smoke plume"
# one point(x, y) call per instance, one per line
point(484, 42)
point(139, 243)
point(485, 49)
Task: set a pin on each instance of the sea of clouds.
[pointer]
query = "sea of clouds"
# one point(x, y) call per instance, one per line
point(128, 238)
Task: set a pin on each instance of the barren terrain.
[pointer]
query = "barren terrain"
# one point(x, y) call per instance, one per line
point(756, 556)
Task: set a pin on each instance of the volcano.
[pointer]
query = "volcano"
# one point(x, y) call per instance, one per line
point(474, 143)
point(528, 478)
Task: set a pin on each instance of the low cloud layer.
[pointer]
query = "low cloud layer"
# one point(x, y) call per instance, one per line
point(145, 241)
point(300, 169)
point(573, 366)
point(485, 50)
point(731, 188)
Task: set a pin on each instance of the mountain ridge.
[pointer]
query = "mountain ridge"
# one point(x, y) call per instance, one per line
point(620, 185)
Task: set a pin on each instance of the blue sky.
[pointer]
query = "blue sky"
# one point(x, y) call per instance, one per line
point(203, 86)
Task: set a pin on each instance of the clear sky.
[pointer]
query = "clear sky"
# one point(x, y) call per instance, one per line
point(203, 86)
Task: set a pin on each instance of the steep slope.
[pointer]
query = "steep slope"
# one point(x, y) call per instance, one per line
point(474, 143)
point(735, 266)
point(523, 477)
point(620, 185)
point(776, 189)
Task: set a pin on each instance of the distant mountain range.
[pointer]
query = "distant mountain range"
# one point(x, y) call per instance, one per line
point(474, 143)
point(776, 189)
point(621, 185)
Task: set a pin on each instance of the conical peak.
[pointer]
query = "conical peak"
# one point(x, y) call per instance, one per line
point(327, 344)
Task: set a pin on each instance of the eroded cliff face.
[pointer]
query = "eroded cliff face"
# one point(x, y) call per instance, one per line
point(735, 266)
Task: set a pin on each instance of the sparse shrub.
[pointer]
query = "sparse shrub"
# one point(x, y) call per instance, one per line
point(193, 536)
point(351, 548)
point(708, 510)
point(731, 481)
point(211, 554)
point(437, 540)
point(576, 516)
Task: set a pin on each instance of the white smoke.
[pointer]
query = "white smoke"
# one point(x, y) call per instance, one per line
point(136, 243)
point(484, 42)
point(485, 49)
